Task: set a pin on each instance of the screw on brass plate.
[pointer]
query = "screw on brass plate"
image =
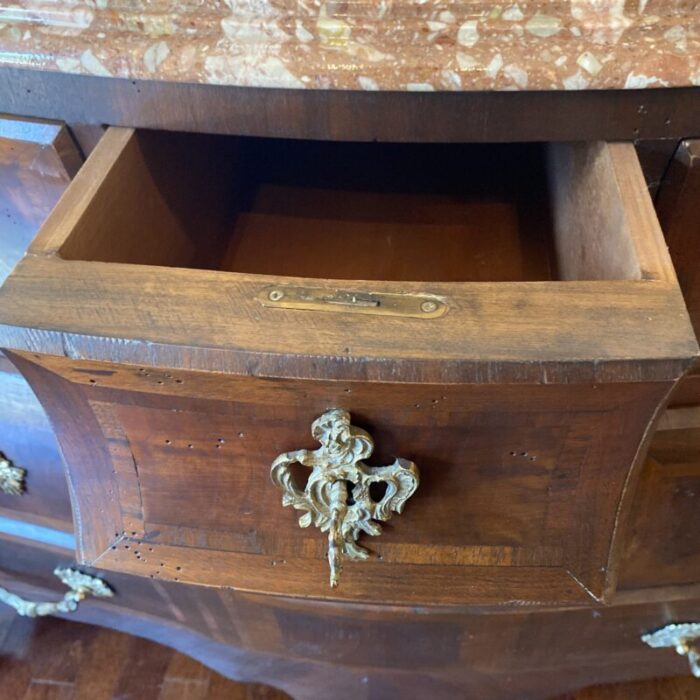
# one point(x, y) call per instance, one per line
point(275, 295)
point(428, 307)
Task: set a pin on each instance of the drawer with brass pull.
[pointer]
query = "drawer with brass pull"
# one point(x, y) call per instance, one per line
point(37, 161)
point(445, 359)
point(32, 480)
point(80, 586)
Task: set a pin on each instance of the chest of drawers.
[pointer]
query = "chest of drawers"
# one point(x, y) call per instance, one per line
point(498, 326)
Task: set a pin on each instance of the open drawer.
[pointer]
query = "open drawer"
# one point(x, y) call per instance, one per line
point(505, 317)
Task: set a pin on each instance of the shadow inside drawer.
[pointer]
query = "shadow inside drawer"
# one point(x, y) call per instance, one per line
point(404, 212)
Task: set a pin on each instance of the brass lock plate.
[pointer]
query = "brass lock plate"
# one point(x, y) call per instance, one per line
point(349, 301)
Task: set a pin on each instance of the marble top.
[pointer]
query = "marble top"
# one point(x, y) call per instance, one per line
point(420, 45)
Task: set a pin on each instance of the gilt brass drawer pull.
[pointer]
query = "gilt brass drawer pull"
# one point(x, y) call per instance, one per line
point(81, 586)
point(683, 637)
point(337, 497)
point(11, 477)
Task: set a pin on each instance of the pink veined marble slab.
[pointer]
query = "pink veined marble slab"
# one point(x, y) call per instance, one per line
point(362, 44)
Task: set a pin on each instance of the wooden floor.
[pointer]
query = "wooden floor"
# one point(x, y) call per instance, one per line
point(52, 659)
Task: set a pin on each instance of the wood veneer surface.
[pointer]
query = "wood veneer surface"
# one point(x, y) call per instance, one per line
point(37, 161)
point(439, 117)
point(52, 659)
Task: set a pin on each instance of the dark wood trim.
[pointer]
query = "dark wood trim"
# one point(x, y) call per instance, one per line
point(354, 115)
point(95, 466)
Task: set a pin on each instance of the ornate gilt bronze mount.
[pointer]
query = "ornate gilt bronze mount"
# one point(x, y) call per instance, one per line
point(337, 497)
point(11, 477)
point(683, 637)
point(81, 586)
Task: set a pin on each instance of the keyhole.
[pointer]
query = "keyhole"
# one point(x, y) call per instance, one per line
point(350, 487)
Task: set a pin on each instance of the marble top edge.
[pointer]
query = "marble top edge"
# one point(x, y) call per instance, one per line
point(407, 45)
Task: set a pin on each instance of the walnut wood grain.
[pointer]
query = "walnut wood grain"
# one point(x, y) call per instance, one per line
point(27, 439)
point(492, 332)
point(87, 660)
point(678, 215)
point(687, 392)
point(309, 650)
point(662, 548)
point(37, 161)
point(503, 512)
point(354, 115)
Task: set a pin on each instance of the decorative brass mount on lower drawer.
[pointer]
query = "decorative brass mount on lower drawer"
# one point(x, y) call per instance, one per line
point(684, 637)
point(11, 477)
point(81, 586)
point(329, 503)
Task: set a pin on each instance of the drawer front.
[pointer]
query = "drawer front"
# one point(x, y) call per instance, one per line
point(28, 442)
point(517, 499)
point(533, 654)
point(663, 544)
point(343, 649)
point(677, 205)
point(663, 547)
point(37, 162)
point(192, 306)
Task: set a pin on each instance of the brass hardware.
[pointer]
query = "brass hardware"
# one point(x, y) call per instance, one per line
point(11, 477)
point(381, 303)
point(336, 466)
point(682, 636)
point(81, 586)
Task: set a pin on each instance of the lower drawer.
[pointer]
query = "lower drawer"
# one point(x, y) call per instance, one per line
point(317, 650)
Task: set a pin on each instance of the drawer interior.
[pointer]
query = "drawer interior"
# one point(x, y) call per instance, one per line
point(397, 212)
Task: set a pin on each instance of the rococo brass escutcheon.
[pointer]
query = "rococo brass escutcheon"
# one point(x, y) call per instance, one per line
point(11, 477)
point(337, 497)
point(81, 586)
point(684, 637)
